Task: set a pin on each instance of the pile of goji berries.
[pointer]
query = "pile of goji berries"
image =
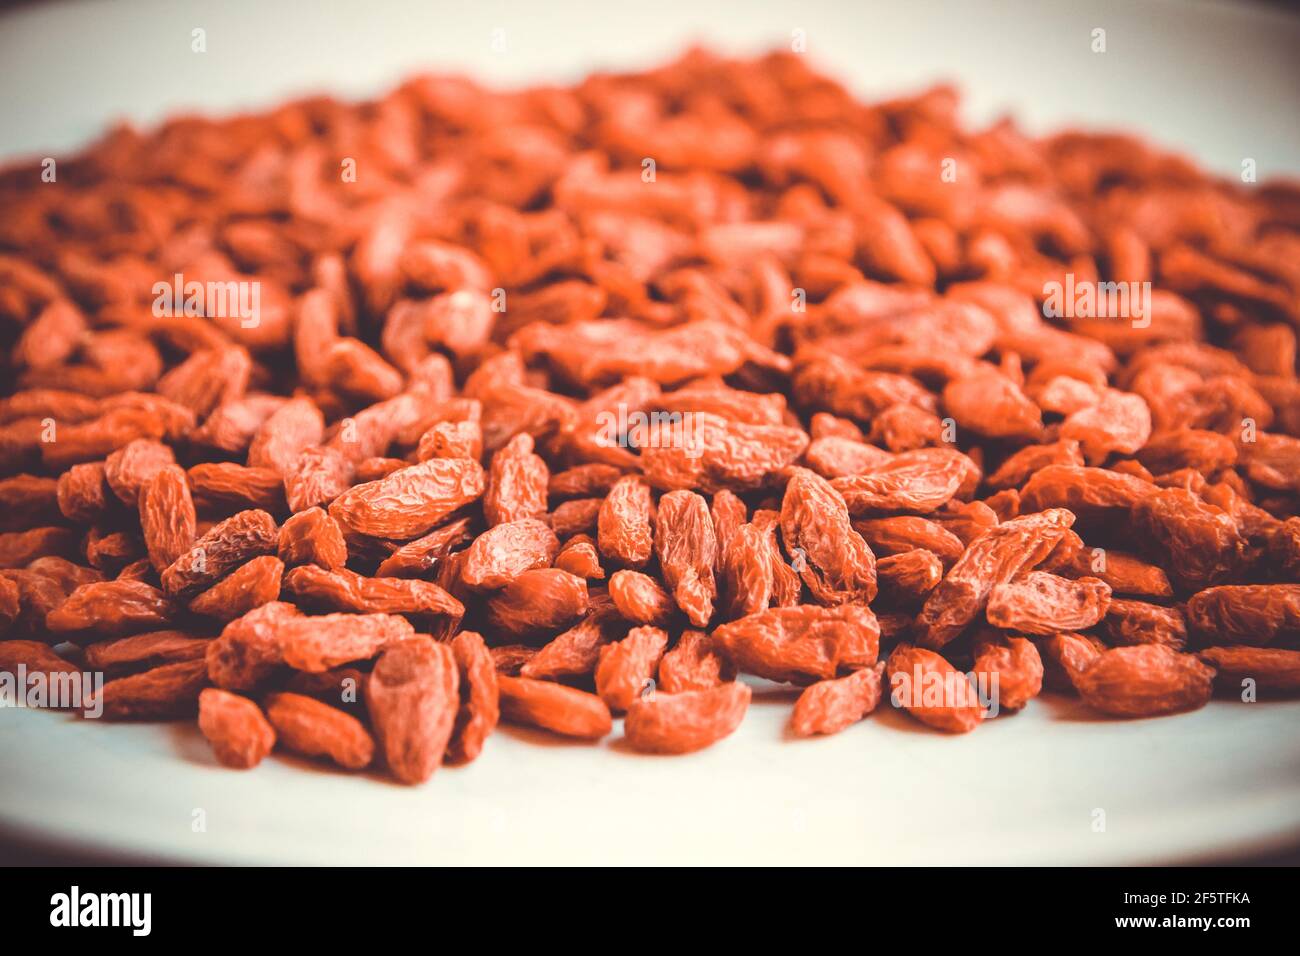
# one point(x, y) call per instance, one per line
point(353, 428)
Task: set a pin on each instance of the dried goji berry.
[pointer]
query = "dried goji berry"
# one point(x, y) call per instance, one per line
point(1272, 668)
point(832, 559)
point(1258, 614)
point(227, 545)
point(802, 644)
point(1016, 665)
point(544, 599)
point(829, 706)
point(306, 726)
point(235, 726)
point(312, 537)
point(1145, 681)
point(626, 668)
point(413, 698)
point(685, 722)
point(409, 502)
point(932, 690)
point(694, 663)
point(480, 705)
point(517, 483)
point(1066, 656)
point(563, 710)
point(167, 519)
point(579, 557)
point(507, 550)
point(171, 690)
point(247, 587)
point(111, 608)
point(1042, 603)
point(142, 651)
point(624, 533)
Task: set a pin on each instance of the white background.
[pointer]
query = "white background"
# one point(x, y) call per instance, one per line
point(1215, 80)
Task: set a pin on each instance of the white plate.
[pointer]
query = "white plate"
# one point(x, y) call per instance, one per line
point(1030, 788)
point(1223, 782)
